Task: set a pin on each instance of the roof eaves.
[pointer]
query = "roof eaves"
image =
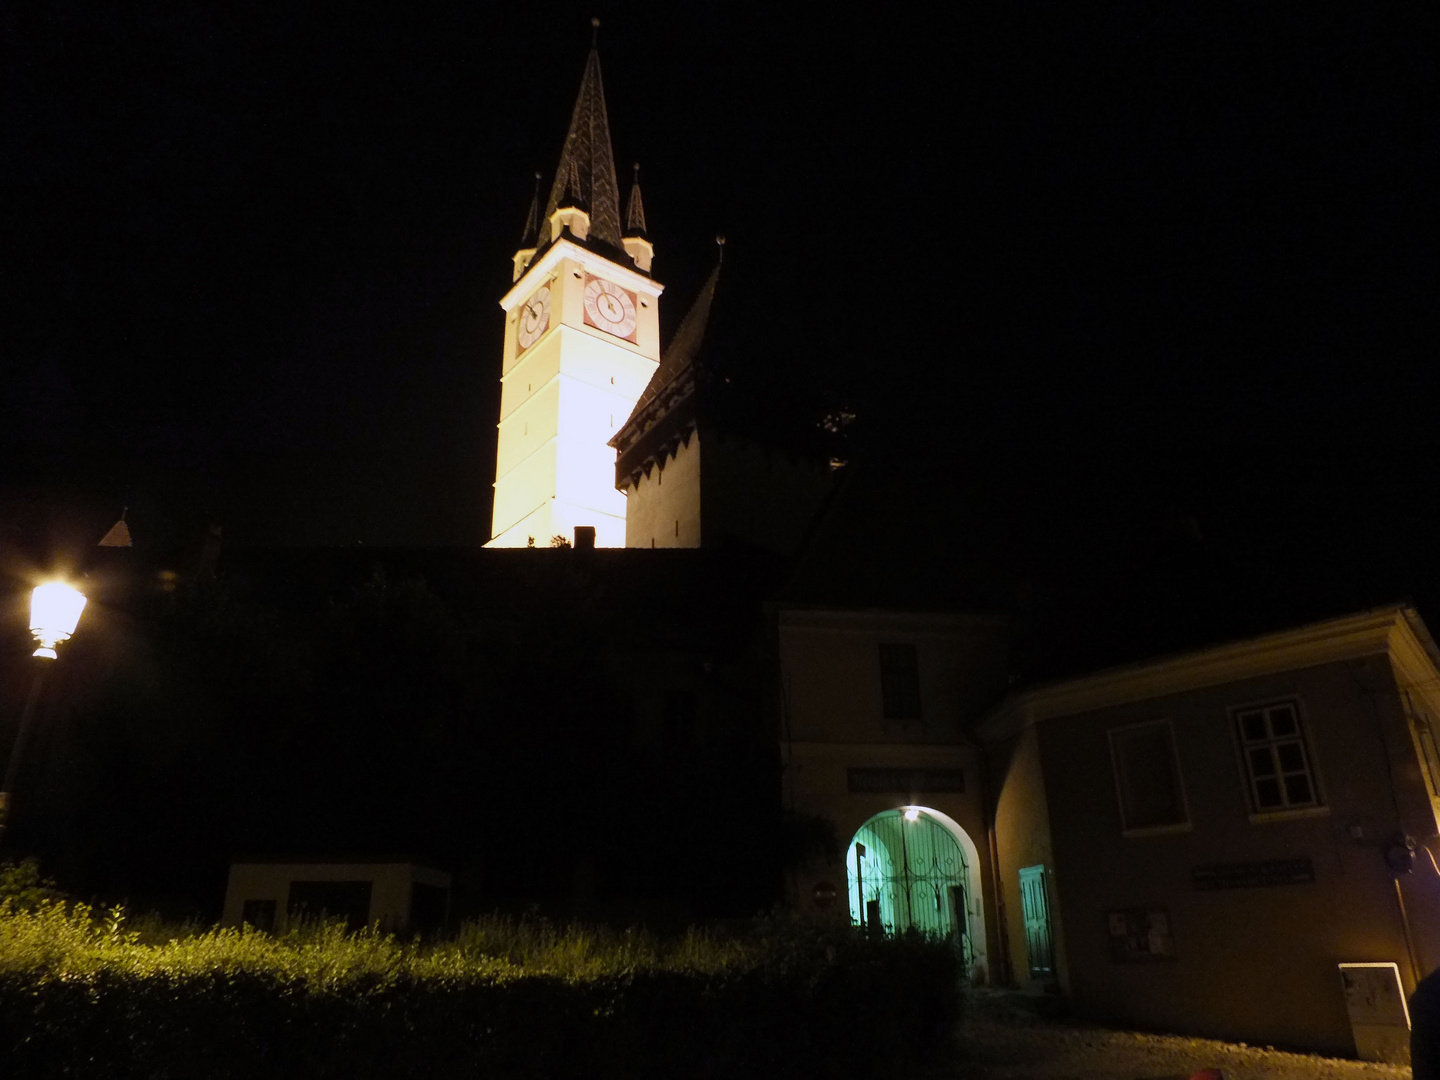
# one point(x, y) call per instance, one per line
point(1364, 633)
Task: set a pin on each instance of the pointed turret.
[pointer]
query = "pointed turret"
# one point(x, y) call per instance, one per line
point(532, 219)
point(637, 241)
point(574, 194)
point(526, 251)
point(119, 534)
point(585, 184)
point(635, 208)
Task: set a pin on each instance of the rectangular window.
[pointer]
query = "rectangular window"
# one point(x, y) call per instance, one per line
point(1276, 761)
point(1147, 776)
point(899, 681)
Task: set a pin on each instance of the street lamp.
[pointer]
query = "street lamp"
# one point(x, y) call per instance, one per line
point(54, 610)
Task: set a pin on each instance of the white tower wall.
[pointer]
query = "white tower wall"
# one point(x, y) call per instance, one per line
point(563, 397)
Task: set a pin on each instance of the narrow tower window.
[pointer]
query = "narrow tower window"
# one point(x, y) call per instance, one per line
point(899, 681)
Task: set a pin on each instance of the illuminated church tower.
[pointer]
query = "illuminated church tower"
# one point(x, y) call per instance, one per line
point(582, 340)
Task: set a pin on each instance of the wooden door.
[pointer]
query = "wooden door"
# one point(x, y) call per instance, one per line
point(1035, 905)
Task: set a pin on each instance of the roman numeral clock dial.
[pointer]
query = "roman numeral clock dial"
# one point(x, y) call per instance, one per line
point(610, 308)
point(534, 319)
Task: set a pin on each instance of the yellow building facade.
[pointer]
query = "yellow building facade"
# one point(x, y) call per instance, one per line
point(1198, 844)
point(875, 706)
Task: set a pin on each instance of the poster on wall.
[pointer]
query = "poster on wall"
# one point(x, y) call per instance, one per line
point(1140, 934)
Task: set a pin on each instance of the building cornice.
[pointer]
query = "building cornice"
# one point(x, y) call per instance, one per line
point(849, 618)
point(1380, 631)
point(881, 753)
point(565, 248)
point(1413, 653)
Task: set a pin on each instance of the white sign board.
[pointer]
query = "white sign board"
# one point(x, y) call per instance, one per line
point(1379, 1018)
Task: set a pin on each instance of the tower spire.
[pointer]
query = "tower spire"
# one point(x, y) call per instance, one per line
point(587, 161)
point(635, 208)
point(532, 219)
point(636, 241)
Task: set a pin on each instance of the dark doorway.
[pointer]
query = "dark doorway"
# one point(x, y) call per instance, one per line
point(349, 900)
point(427, 908)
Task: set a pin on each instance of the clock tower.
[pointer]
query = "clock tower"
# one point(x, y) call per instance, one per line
point(582, 340)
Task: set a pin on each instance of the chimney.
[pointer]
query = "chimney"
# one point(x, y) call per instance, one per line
point(584, 537)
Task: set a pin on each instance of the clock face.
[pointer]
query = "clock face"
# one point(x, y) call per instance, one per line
point(610, 308)
point(534, 319)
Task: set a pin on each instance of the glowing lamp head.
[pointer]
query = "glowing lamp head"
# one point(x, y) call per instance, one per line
point(912, 813)
point(54, 610)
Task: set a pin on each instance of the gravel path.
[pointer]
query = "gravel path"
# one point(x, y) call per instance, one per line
point(1000, 1042)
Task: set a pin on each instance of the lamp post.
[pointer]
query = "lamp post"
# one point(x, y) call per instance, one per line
point(54, 610)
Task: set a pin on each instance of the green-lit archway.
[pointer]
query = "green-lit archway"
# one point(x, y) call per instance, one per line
point(909, 869)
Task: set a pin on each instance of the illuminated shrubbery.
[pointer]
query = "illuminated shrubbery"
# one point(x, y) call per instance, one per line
point(22, 885)
point(83, 993)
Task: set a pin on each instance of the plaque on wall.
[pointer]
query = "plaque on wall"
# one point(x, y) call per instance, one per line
point(902, 781)
point(1140, 934)
point(1253, 875)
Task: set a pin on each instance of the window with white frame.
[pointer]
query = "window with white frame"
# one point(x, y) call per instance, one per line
point(1277, 762)
point(1147, 776)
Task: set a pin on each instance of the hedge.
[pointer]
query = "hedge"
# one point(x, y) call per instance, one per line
point(86, 995)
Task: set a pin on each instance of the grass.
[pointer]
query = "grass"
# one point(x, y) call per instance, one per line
point(61, 940)
point(88, 991)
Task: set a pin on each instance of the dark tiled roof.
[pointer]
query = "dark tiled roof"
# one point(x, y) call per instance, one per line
point(683, 351)
point(587, 164)
point(702, 380)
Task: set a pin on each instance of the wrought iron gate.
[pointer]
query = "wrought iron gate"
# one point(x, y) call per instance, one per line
point(912, 875)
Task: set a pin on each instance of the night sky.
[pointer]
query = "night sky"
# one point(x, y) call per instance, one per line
point(1066, 262)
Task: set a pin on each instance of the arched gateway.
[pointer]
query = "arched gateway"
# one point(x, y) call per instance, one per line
point(915, 869)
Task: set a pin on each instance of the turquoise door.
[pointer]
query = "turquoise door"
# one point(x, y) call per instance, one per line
point(1035, 906)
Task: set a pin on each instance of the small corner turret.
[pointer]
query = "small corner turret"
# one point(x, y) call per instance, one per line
point(572, 213)
point(636, 239)
point(528, 238)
